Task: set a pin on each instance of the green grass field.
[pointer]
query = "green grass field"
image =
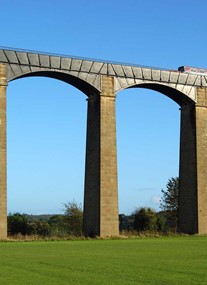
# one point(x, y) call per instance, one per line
point(170, 260)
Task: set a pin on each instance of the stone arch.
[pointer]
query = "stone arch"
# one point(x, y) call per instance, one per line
point(192, 101)
point(174, 94)
point(87, 88)
point(182, 95)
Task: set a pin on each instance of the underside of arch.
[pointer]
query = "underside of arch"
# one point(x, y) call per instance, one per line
point(177, 96)
point(80, 84)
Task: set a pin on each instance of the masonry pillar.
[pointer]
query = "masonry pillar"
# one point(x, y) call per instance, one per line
point(3, 190)
point(188, 172)
point(100, 197)
point(193, 166)
point(201, 151)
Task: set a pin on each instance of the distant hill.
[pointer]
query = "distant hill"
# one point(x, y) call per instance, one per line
point(43, 217)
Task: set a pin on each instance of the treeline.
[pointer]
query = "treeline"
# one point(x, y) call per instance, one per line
point(70, 223)
point(147, 219)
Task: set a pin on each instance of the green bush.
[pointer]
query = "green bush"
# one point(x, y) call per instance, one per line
point(145, 219)
point(18, 224)
point(74, 218)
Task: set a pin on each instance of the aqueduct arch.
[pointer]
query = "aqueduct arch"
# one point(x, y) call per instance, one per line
point(76, 82)
point(100, 81)
point(177, 96)
point(190, 197)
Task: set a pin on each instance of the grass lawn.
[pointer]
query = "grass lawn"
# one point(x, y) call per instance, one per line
point(177, 260)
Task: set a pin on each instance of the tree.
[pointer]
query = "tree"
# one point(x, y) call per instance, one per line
point(58, 225)
point(145, 219)
point(74, 218)
point(41, 228)
point(161, 222)
point(169, 202)
point(18, 224)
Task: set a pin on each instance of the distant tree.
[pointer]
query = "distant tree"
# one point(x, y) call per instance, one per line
point(169, 202)
point(18, 224)
point(161, 222)
point(74, 217)
point(41, 228)
point(58, 224)
point(145, 219)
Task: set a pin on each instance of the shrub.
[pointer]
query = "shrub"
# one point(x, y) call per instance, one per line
point(145, 219)
point(18, 224)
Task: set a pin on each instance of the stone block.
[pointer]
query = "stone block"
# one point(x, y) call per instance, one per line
point(76, 64)
point(65, 63)
point(182, 79)
point(86, 66)
point(34, 59)
point(22, 57)
point(44, 60)
point(96, 67)
point(156, 75)
point(11, 55)
point(165, 75)
point(128, 71)
point(111, 70)
point(3, 58)
point(137, 71)
point(147, 73)
point(118, 70)
point(174, 77)
point(55, 62)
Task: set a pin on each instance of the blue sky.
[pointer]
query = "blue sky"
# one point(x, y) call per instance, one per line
point(46, 119)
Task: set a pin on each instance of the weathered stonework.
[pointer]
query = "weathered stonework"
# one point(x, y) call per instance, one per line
point(108, 180)
point(3, 162)
point(101, 198)
point(201, 151)
point(193, 166)
point(188, 172)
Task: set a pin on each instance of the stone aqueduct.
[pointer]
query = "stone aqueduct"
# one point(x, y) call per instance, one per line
point(100, 81)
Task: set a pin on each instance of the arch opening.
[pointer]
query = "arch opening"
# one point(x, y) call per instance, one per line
point(45, 137)
point(148, 133)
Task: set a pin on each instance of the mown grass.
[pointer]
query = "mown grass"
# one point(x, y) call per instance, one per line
point(169, 260)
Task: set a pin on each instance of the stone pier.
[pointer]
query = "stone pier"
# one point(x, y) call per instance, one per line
point(193, 166)
point(3, 158)
point(101, 198)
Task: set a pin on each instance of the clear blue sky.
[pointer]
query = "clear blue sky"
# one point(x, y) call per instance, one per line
point(46, 119)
